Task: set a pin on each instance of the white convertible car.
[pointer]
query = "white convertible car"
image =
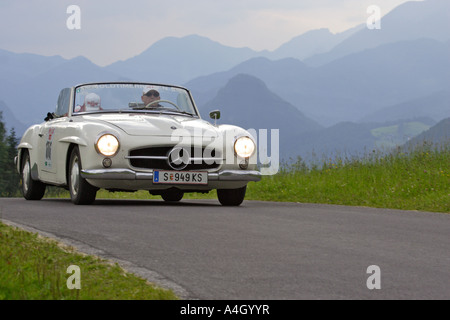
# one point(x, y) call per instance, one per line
point(135, 136)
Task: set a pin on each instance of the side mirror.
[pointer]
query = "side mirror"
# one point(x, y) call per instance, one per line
point(215, 115)
point(50, 116)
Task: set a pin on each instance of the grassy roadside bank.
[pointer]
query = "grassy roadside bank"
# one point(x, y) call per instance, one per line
point(35, 268)
point(417, 180)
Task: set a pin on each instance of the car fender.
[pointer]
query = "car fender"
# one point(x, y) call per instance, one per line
point(28, 142)
point(74, 140)
point(234, 132)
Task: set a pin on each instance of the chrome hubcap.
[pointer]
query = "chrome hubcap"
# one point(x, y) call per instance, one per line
point(26, 176)
point(74, 176)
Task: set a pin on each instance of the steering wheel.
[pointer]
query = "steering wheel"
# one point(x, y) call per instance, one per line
point(157, 101)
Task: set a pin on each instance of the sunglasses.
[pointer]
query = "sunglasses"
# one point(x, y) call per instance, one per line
point(152, 93)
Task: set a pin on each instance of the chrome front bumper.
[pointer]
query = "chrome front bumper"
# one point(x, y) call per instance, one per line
point(127, 174)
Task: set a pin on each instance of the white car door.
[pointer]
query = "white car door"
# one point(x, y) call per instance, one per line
point(50, 150)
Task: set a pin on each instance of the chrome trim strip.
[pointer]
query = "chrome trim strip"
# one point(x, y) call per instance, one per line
point(236, 175)
point(109, 174)
point(206, 159)
point(165, 158)
point(127, 174)
point(148, 157)
point(144, 176)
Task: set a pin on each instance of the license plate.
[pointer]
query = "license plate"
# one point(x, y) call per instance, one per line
point(180, 177)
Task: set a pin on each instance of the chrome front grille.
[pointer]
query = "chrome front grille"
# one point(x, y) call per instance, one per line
point(161, 158)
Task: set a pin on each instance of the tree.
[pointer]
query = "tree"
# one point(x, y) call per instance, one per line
point(13, 179)
point(9, 178)
point(3, 155)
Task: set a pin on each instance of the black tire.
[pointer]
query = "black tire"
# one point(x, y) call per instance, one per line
point(31, 189)
point(231, 197)
point(172, 195)
point(81, 192)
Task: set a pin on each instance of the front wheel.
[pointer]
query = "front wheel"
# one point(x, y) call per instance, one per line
point(81, 192)
point(31, 189)
point(172, 195)
point(231, 197)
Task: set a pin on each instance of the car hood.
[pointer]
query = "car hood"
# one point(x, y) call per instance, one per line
point(155, 124)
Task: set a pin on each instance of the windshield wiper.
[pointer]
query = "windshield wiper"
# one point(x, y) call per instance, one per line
point(155, 111)
point(185, 113)
point(177, 111)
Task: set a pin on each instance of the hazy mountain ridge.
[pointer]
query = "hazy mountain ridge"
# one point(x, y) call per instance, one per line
point(349, 139)
point(44, 88)
point(182, 59)
point(386, 80)
point(311, 43)
point(351, 87)
point(15, 67)
point(10, 120)
point(177, 60)
point(247, 102)
point(277, 75)
point(438, 134)
point(435, 106)
point(409, 21)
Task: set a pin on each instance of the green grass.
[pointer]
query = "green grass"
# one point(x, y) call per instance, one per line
point(417, 180)
point(34, 268)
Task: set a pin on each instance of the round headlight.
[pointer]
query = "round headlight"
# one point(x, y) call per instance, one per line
point(107, 145)
point(244, 147)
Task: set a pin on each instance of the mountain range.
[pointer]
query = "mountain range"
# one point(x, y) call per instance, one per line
point(247, 98)
point(409, 21)
point(10, 120)
point(182, 59)
point(435, 106)
point(250, 104)
point(349, 88)
point(327, 91)
point(436, 136)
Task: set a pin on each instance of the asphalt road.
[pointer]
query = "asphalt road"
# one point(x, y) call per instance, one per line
point(258, 251)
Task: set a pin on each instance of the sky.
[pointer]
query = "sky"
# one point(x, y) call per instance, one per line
point(112, 30)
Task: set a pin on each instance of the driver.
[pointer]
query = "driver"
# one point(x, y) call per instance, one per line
point(150, 95)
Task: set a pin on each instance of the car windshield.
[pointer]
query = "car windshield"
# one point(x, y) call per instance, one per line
point(132, 97)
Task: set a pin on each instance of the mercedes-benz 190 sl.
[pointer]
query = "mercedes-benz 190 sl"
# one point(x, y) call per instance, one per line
point(135, 136)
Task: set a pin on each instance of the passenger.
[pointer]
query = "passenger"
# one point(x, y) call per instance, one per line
point(92, 102)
